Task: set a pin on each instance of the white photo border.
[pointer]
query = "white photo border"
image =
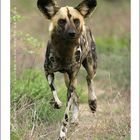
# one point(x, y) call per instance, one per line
point(135, 70)
point(5, 70)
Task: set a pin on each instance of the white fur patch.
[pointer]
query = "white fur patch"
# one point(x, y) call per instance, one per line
point(75, 114)
point(63, 134)
point(91, 92)
point(79, 49)
point(51, 27)
point(84, 10)
point(56, 98)
point(50, 9)
point(49, 79)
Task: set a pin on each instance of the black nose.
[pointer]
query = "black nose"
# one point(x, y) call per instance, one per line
point(71, 33)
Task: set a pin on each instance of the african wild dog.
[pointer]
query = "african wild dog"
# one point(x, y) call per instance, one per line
point(70, 45)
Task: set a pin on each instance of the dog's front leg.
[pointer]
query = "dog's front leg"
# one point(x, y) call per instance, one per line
point(55, 102)
point(71, 95)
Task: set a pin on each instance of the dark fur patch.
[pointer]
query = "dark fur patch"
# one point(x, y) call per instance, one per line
point(52, 87)
point(66, 117)
point(88, 80)
point(92, 105)
point(54, 104)
point(68, 13)
point(64, 124)
point(63, 129)
point(77, 56)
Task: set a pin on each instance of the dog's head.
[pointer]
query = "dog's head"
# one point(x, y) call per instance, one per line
point(66, 22)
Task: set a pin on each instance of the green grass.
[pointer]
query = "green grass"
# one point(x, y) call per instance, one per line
point(31, 94)
point(113, 44)
point(114, 61)
point(127, 137)
point(32, 88)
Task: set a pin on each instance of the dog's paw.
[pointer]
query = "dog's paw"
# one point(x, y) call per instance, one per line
point(62, 138)
point(55, 104)
point(93, 105)
point(63, 133)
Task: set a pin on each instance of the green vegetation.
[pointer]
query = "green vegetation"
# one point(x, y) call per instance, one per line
point(32, 117)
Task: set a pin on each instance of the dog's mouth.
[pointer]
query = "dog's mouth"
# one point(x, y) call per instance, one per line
point(71, 37)
point(66, 37)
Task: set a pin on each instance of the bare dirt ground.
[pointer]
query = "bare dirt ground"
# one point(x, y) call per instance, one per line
point(110, 122)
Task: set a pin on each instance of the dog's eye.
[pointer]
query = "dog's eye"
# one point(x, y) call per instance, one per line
point(62, 22)
point(76, 22)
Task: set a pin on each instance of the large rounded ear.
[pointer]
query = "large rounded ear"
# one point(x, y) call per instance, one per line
point(48, 7)
point(86, 7)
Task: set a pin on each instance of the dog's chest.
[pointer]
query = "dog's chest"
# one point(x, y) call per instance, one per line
point(64, 62)
point(58, 63)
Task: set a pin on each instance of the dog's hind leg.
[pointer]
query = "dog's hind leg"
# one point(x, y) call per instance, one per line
point(92, 100)
point(67, 80)
point(88, 64)
point(55, 102)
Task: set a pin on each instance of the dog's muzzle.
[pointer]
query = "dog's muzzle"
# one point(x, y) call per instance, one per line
point(71, 33)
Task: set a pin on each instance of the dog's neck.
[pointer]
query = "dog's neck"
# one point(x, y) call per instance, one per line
point(64, 48)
